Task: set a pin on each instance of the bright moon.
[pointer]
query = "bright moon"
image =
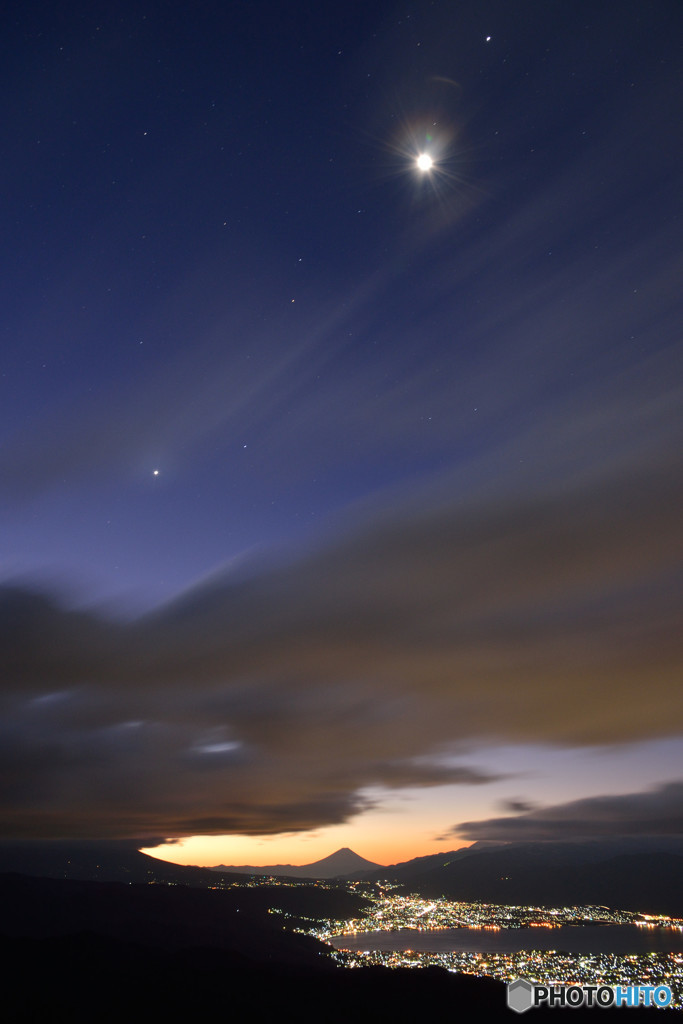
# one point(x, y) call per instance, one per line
point(425, 162)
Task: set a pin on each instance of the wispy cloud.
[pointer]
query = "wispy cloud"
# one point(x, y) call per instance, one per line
point(658, 811)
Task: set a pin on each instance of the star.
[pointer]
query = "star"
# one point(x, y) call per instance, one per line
point(424, 162)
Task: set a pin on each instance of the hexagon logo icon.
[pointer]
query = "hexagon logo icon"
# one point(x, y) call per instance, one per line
point(520, 995)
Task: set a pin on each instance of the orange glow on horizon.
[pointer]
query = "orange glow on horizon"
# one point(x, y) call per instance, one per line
point(209, 851)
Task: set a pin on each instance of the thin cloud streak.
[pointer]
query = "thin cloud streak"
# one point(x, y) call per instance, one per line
point(657, 812)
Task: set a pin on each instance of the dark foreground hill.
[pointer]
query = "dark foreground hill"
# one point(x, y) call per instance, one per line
point(243, 921)
point(89, 951)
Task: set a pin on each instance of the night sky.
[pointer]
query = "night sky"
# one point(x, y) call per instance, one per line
point(341, 499)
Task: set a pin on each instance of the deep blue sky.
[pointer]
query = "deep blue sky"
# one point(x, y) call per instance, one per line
point(220, 263)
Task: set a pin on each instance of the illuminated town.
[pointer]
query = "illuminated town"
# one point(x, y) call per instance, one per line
point(541, 967)
point(390, 911)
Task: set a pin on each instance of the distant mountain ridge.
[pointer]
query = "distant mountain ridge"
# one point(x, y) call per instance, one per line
point(634, 873)
point(637, 873)
point(96, 861)
point(342, 863)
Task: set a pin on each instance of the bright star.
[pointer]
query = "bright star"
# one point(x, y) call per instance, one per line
point(424, 162)
point(155, 472)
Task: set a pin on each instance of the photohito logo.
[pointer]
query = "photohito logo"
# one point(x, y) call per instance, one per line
point(522, 995)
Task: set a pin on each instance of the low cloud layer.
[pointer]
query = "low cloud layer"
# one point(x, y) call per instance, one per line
point(274, 701)
point(658, 812)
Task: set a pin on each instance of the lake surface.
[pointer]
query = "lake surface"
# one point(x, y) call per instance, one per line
point(620, 939)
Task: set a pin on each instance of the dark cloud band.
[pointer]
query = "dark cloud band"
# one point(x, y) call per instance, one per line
point(658, 812)
point(270, 702)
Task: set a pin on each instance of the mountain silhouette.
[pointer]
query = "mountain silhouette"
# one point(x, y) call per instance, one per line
point(341, 864)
